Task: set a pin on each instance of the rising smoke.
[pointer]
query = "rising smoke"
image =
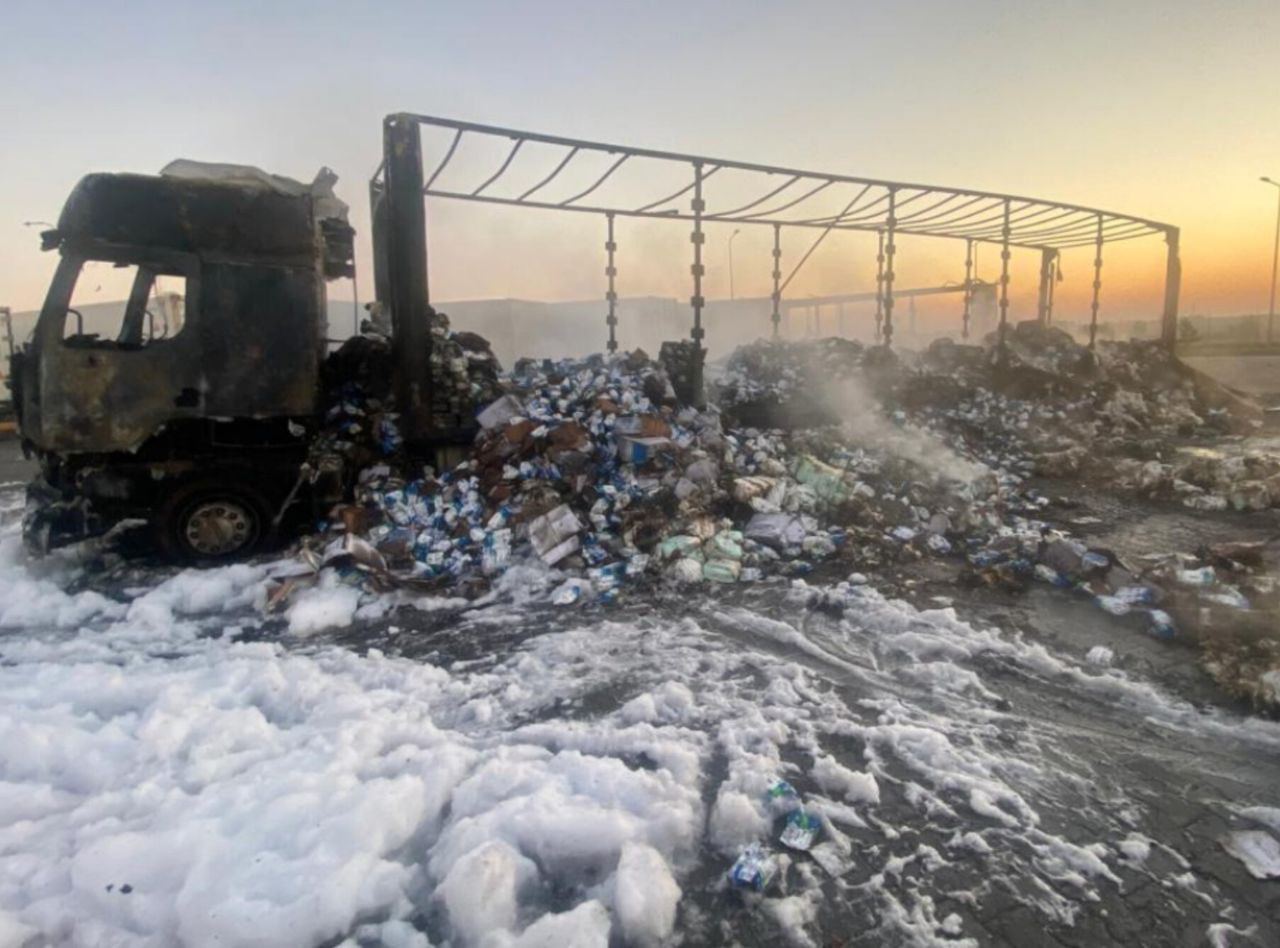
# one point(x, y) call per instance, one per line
point(853, 403)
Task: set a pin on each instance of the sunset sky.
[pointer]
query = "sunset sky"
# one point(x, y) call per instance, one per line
point(1168, 110)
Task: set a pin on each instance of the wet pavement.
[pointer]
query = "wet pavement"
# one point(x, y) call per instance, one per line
point(14, 468)
point(1148, 749)
point(1092, 757)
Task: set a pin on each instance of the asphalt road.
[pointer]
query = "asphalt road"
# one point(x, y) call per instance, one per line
point(1255, 375)
point(13, 466)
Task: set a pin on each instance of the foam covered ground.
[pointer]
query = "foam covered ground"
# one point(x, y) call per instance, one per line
point(176, 769)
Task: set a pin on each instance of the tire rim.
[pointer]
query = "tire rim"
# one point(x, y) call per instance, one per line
point(219, 527)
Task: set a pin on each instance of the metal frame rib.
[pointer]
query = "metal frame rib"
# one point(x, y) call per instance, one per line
point(951, 213)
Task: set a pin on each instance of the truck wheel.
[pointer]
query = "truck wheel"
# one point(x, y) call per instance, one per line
point(208, 522)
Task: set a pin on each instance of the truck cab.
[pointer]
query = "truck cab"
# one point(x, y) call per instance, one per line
point(190, 403)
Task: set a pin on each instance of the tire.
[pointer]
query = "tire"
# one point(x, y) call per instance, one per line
point(212, 521)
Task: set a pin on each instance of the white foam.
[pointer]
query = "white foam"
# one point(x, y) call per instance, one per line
point(794, 914)
point(1135, 847)
point(1100, 655)
point(1266, 815)
point(1219, 934)
point(14, 934)
point(645, 896)
point(306, 796)
point(482, 889)
point(327, 605)
point(1258, 850)
point(736, 820)
point(586, 925)
point(833, 776)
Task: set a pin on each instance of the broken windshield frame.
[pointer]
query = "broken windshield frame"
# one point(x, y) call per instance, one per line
point(132, 333)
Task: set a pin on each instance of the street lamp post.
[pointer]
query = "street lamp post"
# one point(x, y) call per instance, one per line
point(731, 236)
point(1275, 258)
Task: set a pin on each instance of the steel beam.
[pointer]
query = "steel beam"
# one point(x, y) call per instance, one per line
point(379, 221)
point(1053, 283)
point(697, 238)
point(777, 277)
point(1047, 256)
point(1097, 286)
point(611, 296)
point(406, 277)
point(1003, 355)
point(835, 299)
point(889, 247)
point(1142, 228)
point(879, 286)
point(1172, 287)
point(628, 151)
point(968, 288)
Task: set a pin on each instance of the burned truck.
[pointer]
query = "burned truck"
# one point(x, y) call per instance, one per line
point(197, 410)
point(197, 422)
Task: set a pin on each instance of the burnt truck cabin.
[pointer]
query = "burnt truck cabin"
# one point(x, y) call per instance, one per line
point(201, 426)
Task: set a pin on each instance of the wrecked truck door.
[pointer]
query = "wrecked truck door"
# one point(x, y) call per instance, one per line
point(109, 380)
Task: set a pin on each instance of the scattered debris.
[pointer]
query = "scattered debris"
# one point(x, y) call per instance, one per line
point(754, 869)
point(813, 455)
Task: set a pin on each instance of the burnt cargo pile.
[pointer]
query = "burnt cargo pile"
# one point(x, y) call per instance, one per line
point(1048, 417)
point(597, 469)
point(1057, 410)
point(593, 478)
point(361, 425)
point(772, 384)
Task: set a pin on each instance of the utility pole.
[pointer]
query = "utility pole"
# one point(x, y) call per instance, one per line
point(1275, 258)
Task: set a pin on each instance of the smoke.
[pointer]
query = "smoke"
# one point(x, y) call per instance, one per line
point(859, 412)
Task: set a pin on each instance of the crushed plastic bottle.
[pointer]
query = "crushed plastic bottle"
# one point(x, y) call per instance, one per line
point(568, 592)
point(1136, 595)
point(754, 869)
point(389, 438)
point(985, 558)
point(782, 798)
point(801, 830)
point(1162, 626)
point(1204, 576)
point(1114, 605)
point(938, 544)
point(1094, 562)
point(1227, 596)
point(1049, 575)
point(607, 577)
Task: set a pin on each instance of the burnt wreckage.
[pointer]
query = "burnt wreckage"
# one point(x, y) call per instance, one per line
point(206, 432)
